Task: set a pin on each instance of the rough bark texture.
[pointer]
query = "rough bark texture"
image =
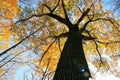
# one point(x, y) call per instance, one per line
point(72, 64)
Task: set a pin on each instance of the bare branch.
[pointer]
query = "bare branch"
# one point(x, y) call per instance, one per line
point(47, 50)
point(87, 14)
point(4, 52)
point(88, 38)
point(85, 25)
point(49, 14)
point(12, 58)
point(96, 47)
point(79, 9)
point(59, 45)
point(62, 35)
point(82, 16)
point(43, 77)
point(5, 58)
point(110, 20)
point(108, 42)
point(98, 52)
point(51, 10)
point(47, 7)
point(67, 20)
point(65, 12)
point(62, 20)
point(34, 15)
point(55, 7)
point(6, 71)
point(104, 19)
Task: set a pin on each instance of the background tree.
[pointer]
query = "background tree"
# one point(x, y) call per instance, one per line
point(83, 26)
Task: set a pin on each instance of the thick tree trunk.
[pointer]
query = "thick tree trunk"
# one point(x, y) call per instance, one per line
point(72, 64)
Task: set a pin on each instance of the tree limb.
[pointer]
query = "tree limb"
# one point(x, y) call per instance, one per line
point(108, 42)
point(55, 7)
point(65, 12)
point(62, 35)
point(85, 25)
point(67, 20)
point(96, 48)
point(51, 10)
point(59, 45)
point(12, 58)
point(5, 58)
point(47, 7)
point(6, 70)
point(34, 15)
point(4, 52)
point(60, 19)
point(82, 16)
point(47, 50)
point(44, 74)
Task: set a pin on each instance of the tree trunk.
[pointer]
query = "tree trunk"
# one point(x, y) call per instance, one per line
point(72, 64)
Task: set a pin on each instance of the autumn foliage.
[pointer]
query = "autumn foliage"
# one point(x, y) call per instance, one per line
point(9, 10)
point(42, 30)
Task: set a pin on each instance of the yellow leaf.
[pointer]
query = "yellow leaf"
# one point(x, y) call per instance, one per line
point(1, 71)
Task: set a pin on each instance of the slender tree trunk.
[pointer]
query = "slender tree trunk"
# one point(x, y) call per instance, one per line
point(72, 64)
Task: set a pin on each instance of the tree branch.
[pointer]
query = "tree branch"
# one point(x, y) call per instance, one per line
point(110, 20)
point(55, 7)
point(51, 10)
point(44, 74)
point(82, 16)
point(98, 53)
point(6, 70)
point(108, 42)
point(105, 19)
point(96, 47)
point(65, 12)
point(46, 50)
point(34, 15)
point(12, 58)
point(47, 7)
point(62, 35)
point(60, 19)
point(67, 20)
point(85, 25)
point(59, 45)
point(4, 52)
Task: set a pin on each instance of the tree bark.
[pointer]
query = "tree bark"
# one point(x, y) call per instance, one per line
point(72, 64)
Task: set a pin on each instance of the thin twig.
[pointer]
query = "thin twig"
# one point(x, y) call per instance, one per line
point(43, 77)
point(4, 52)
point(82, 16)
point(96, 47)
point(65, 12)
point(47, 7)
point(7, 70)
point(12, 58)
point(79, 9)
point(47, 50)
point(59, 45)
point(5, 58)
point(55, 7)
point(106, 43)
